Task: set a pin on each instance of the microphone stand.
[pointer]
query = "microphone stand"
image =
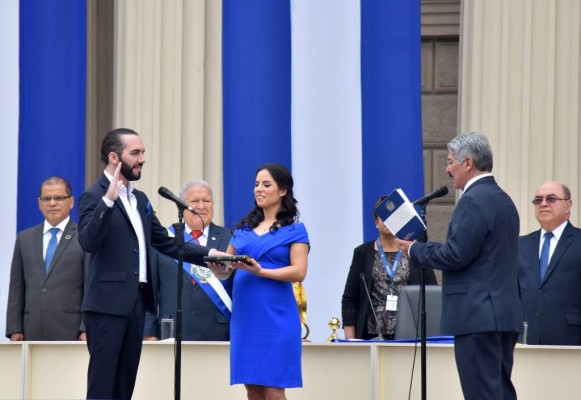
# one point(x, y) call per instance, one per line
point(423, 354)
point(179, 228)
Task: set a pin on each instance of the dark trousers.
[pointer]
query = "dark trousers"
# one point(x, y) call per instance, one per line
point(484, 362)
point(114, 344)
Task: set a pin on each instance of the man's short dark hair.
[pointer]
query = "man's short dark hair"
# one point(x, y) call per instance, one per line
point(55, 180)
point(112, 143)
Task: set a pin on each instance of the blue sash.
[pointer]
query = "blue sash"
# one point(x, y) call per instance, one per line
point(220, 297)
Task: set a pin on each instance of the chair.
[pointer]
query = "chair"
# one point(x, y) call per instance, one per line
point(408, 322)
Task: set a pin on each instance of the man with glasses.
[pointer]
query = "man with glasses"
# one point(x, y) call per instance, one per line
point(206, 300)
point(48, 271)
point(480, 303)
point(550, 271)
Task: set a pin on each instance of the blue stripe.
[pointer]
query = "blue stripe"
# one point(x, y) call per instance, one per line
point(391, 102)
point(52, 99)
point(257, 96)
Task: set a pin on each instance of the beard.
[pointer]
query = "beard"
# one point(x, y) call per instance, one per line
point(127, 170)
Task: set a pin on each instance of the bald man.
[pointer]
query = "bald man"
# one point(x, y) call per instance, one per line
point(550, 293)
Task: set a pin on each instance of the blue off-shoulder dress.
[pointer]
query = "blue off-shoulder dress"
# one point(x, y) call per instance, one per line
point(265, 329)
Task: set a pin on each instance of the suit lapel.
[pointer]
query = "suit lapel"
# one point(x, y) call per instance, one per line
point(215, 237)
point(481, 181)
point(66, 237)
point(37, 248)
point(532, 252)
point(104, 182)
point(564, 242)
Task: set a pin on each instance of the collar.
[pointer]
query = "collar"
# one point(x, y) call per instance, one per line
point(61, 225)
point(129, 187)
point(557, 232)
point(205, 232)
point(477, 177)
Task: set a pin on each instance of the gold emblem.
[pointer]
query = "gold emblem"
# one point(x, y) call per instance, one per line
point(390, 206)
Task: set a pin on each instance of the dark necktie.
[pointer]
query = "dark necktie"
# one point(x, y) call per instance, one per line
point(544, 261)
point(196, 235)
point(52, 243)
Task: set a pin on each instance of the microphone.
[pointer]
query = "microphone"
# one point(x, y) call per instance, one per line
point(165, 192)
point(379, 335)
point(439, 192)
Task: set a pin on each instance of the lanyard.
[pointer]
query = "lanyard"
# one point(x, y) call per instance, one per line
point(391, 270)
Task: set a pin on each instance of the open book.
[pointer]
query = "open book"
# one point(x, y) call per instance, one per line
point(400, 216)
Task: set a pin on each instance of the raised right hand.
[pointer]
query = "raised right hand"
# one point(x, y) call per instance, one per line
point(115, 186)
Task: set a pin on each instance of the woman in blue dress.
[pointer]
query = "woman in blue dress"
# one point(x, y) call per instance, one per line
point(265, 329)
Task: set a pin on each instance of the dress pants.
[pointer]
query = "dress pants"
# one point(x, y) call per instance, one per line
point(484, 361)
point(114, 344)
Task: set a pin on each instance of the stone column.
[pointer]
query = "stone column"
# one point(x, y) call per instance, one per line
point(167, 86)
point(519, 85)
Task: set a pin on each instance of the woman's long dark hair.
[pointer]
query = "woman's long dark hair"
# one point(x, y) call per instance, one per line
point(288, 213)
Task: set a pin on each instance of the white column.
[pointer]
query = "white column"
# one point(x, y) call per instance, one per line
point(520, 87)
point(168, 88)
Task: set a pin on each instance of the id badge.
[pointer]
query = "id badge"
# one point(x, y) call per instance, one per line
point(391, 303)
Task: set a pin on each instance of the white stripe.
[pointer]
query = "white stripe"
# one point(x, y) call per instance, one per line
point(9, 39)
point(215, 283)
point(220, 291)
point(326, 146)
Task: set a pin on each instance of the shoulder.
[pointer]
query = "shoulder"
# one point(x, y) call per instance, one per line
point(365, 247)
point(572, 229)
point(218, 228)
point(532, 235)
point(30, 232)
point(297, 230)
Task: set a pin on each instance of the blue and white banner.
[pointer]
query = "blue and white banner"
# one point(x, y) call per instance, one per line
point(331, 89)
point(51, 139)
point(42, 109)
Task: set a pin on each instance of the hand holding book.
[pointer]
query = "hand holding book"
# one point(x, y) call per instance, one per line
point(400, 216)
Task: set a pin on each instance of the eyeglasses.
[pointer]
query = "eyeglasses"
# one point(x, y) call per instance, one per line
point(549, 199)
point(58, 199)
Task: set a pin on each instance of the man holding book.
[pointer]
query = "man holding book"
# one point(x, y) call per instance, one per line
point(481, 306)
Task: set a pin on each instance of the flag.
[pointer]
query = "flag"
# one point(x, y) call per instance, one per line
point(331, 89)
point(51, 134)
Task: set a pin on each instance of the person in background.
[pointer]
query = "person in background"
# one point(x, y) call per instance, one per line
point(206, 302)
point(118, 226)
point(48, 271)
point(385, 270)
point(479, 263)
point(549, 261)
point(265, 330)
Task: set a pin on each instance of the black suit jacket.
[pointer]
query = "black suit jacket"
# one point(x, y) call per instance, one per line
point(201, 319)
point(355, 300)
point(108, 235)
point(478, 263)
point(552, 308)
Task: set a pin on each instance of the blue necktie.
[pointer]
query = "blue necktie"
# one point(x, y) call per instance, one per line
point(544, 261)
point(50, 248)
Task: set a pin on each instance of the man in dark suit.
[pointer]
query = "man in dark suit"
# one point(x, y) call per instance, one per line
point(549, 291)
point(206, 301)
point(118, 226)
point(47, 280)
point(480, 301)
